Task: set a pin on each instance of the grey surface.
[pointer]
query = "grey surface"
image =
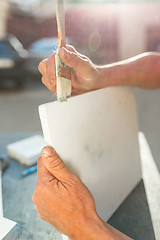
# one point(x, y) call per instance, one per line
point(148, 108)
point(19, 108)
point(132, 217)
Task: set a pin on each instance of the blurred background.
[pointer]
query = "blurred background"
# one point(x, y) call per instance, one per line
point(106, 31)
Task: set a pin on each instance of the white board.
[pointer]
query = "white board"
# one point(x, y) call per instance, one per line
point(96, 135)
point(5, 226)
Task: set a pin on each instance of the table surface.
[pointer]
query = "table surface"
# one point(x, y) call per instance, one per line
point(132, 217)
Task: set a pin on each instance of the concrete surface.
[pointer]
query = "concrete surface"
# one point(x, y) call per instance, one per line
point(148, 108)
point(19, 108)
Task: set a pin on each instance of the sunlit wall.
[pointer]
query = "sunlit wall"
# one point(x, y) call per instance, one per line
point(106, 31)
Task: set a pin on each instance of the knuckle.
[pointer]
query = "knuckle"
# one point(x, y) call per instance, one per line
point(71, 48)
point(56, 163)
point(43, 80)
point(42, 66)
point(51, 57)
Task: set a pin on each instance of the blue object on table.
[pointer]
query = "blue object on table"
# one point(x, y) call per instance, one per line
point(29, 170)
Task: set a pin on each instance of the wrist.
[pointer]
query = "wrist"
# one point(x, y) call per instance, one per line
point(103, 77)
point(92, 228)
point(111, 75)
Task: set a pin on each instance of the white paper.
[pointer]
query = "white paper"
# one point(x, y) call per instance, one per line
point(5, 226)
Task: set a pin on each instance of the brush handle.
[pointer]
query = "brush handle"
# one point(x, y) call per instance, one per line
point(60, 16)
point(63, 73)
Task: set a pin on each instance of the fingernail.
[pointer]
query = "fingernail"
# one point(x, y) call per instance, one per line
point(48, 151)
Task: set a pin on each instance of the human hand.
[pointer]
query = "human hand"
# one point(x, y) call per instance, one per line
point(65, 202)
point(84, 74)
point(61, 198)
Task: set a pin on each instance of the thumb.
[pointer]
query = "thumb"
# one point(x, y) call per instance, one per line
point(54, 164)
point(75, 61)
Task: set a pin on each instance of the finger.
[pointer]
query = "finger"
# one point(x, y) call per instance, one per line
point(43, 175)
point(54, 164)
point(47, 68)
point(75, 61)
point(72, 49)
point(48, 85)
point(50, 68)
point(76, 85)
point(42, 67)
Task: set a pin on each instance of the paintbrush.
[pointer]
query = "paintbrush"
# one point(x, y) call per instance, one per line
point(63, 73)
point(60, 16)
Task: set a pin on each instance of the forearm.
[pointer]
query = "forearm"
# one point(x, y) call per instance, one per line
point(141, 71)
point(96, 229)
